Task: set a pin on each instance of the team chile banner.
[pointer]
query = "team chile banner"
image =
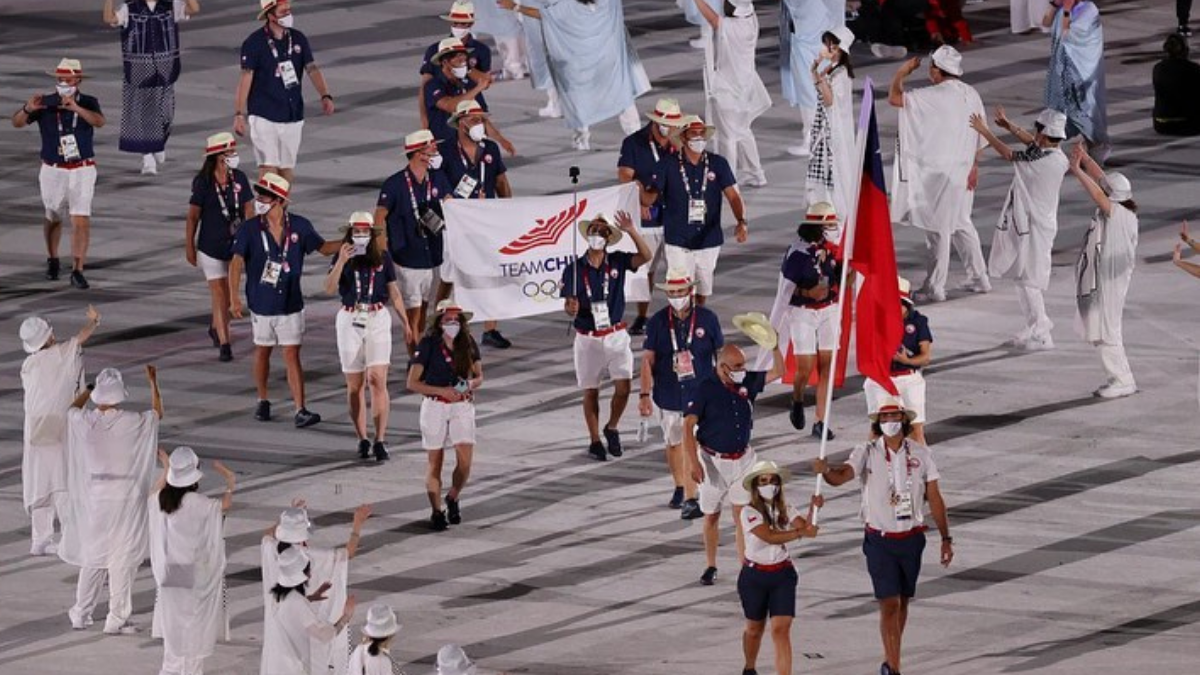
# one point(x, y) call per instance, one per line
point(506, 256)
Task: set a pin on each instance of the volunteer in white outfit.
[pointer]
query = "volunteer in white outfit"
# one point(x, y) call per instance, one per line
point(447, 370)
point(914, 353)
point(374, 656)
point(937, 170)
point(110, 471)
point(538, 59)
point(452, 660)
point(52, 376)
point(506, 29)
point(732, 83)
point(833, 168)
point(1104, 269)
point(293, 629)
point(767, 582)
point(187, 556)
point(1024, 237)
point(801, 25)
point(365, 278)
point(329, 569)
point(1026, 15)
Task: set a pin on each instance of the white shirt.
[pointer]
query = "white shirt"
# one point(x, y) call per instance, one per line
point(178, 8)
point(912, 465)
point(362, 663)
point(758, 551)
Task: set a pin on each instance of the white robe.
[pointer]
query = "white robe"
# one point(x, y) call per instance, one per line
point(801, 25)
point(292, 631)
point(110, 471)
point(327, 565)
point(1026, 15)
point(362, 663)
point(1024, 237)
point(1102, 275)
point(188, 619)
point(935, 152)
point(847, 171)
point(51, 377)
point(729, 71)
point(535, 48)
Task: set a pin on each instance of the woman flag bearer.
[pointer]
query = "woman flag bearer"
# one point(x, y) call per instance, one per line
point(914, 353)
point(365, 278)
point(292, 628)
point(767, 582)
point(187, 555)
point(221, 199)
point(52, 376)
point(373, 656)
point(446, 369)
point(1105, 268)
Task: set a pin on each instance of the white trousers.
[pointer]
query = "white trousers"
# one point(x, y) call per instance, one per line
point(512, 55)
point(637, 284)
point(966, 244)
point(120, 594)
point(629, 118)
point(1116, 365)
point(735, 141)
point(1033, 306)
point(180, 665)
point(42, 520)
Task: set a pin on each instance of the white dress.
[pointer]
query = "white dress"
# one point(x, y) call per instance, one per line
point(1024, 237)
point(51, 377)
point(327, 565)
point(291, 630)
point(1103, 272)
point(737, 93)
point(1026, 15)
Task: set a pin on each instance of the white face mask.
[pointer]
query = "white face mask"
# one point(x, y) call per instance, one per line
point(737, 376)
point(232, 161)
point(261, 208)
point(768, 491)
point(451, 330)
point(459, 33)
point(891, 428)
point(435, 162)
point(680, 304)
point(477, 133)
point(361, 240)
point(287, 21)
point(459, 72)
point(596, 242)
point(65, 89)
point(664, 130)
point(697, 144)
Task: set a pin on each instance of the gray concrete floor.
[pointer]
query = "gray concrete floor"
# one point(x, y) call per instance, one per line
point(1075, 519)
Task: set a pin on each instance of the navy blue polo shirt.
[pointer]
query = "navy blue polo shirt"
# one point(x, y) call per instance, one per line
point(804, 266)
point(479, 59)
point(269, 99)
point(50, 119)
point(725, 414)
point(607, 283)
point(916, 331)
point(285, 297)
point(675, 195)
point(362, 290)
point(487, 163)
point(219, 220)
point(702, 339)
point(640, 152)
point(432, 357)
point(438, 88)
point(411, 246)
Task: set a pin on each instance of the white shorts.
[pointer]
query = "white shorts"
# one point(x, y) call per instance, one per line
point(813, 330)
point(672, 426)
point(595, 355)
point(67, 192)
point(285, 330)
point(416, 286)
point(445, 424)
point(912, 394)
point(361, 348)
point(723, 480)
point(700, 265)
point(637, 284)
point(275, 143)
point(212, 268)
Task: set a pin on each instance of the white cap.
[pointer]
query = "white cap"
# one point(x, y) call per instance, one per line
point(1118, 186)
point(948, 60)
point(381, 622)
point(1054, 123)
point(844, 35)
point(293, 526)
point(452, 660)
point(182, 468)
point(35, 332)
point(110, 388)
point(292, 563)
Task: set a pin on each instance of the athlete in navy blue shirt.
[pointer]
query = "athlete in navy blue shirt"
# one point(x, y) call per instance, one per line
point(915, 352)
point(450, 83)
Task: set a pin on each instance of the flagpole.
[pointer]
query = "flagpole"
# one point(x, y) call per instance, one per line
point(573, 174)
point(860, 145)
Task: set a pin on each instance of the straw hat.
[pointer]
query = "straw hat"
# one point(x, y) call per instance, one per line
point(419, 140)
point(677, 280)
point(292, 564)
point(1054, 123)
point(449, 305)
point(452, 660)
point(67, 68)
point(821, 213)
point(381, 622)
point(948, 60)
point(219, 143)
point(765, 467)
point(666, 112)
point(110, 388)
point(905, 291)
point(450, 45)
point(460, 12)
point(614, 233)
point(688, 123)
point(464, 108)
point(757, 327)
point(844, 36)
point(266, 6)
point(35, 332)
point(1119, 187)
point(182, 468)
point(888, 405)
point(293, 526)
point(274, 185)
point(361, 219)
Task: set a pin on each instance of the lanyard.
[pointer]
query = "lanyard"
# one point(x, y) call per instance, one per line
point(58, 118)
point(654, 148)
point(413, 195)
point(587, 285)
point(232, 215)
point(271, 43)
point(482, 167)
point(687, 185)
point(887, 456)
point(671, 328)
point(358, 295)
point(287, 239)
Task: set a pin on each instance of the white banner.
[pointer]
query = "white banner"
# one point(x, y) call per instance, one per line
point(506, 256)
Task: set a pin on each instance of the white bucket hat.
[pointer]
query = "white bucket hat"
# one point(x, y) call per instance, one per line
point(381, 622)
point(948, 60)
point(292, 563)
point(845, 37)
point(452, 660)
point(1054, 123)
point(182, 468)
point(1119, 187)
point(110, 388)
point(293, 526)
point(35, 332)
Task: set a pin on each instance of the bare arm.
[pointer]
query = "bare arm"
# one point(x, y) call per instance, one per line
point(239, 101)
point(95, 119)
point(646, 375)
point(979, 125)
point(778, 365)
point(937, 508)
point(82, 397)
point(190, 226)
point(155, 395)
point(449, 103)
point(236, 265)
point(360, 516)
point(191, 7)
point(531, 12)
point(835, 476)
point(1092, 188)
point(503, 189)
point(109, 15)
point(335, 272)
point(93, 320)
point(230, 483)
point(710, 16)
point(1191, 268)
point(477, 371)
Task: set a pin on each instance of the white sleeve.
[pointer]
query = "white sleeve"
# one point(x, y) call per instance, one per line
point(180, 9)
point(122, 15)
point(931, 470)
point(858, 459)
point(751, 519)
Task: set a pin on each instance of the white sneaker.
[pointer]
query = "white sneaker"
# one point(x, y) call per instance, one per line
point(883, 51)
point(1039, 343)
point(930, 296)
point(149, 167)
point(126, 628)
point(79, 622)
point(550, 110)
point(1116, 390)
point(755, 181)
point(47, 547)
point(798, 151)
point(979, 285)
point(160, 157)
point(581, 140)
point(696, 43)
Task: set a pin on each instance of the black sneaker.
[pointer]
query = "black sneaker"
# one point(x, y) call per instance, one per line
point(1184, 31)
point(709, 576)
point(885, 669)
point(690, 510)
point(596, 451)
point(493, 338)
point(818, 428)
point(676, 498)
point(212, 335)
point(437, 521)
point(304, 418)
point(78, 281)
point(796, 416)
point(364, 449)
point(638, 327)
point(52, 269)
point(452, 512)
point(613, 438)
point(381, 451)
point(226, 354)
point(263, 412)
point(749, 671)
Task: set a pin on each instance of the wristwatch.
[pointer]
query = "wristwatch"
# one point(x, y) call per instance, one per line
point(947, 540)
point(327, 96)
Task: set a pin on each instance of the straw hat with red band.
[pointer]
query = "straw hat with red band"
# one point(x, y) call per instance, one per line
point(449, 305)
point(363, 220)
point(465, 108)
point(219, 143)
point(460, 12)
point(677, 280)
point(905, 291)
point(449, 46)
point(666, 112)
point(266, 6)
point(274, 185)
point(891, 405)
point(821, 213)
point(67, 68)
point(614, 233)
point(419, 140)
point(691, 123)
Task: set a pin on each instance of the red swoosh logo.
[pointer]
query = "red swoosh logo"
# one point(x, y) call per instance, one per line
point(547, 232)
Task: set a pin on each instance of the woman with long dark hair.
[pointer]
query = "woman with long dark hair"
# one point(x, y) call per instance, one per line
point(446, 370)
point(832, 169)
point(291, 625)
point(373, 656)
point(221, 200)
point(365, 278)
point(187, 556)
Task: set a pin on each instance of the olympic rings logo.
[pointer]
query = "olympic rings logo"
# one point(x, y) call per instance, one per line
point(543, 291)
